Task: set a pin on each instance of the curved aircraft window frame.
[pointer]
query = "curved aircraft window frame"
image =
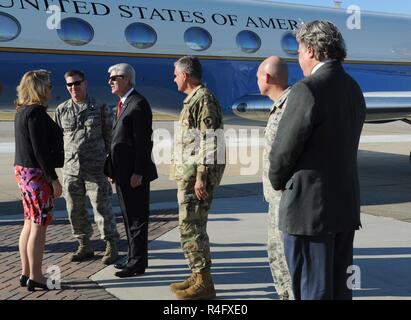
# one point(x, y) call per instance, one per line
point(193, 29)
point(78, 20)
point(248, 33)
point(145, 26)
point(287, 50)
point(17, 23)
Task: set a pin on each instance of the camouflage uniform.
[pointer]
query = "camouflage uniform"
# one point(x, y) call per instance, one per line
point(199, 152)
point(275, 245)
point(87, 135)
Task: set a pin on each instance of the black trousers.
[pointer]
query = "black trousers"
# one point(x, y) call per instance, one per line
point(318, 265)
point(134, 203)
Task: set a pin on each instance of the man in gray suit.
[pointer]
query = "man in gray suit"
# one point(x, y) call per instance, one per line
point(314, 161)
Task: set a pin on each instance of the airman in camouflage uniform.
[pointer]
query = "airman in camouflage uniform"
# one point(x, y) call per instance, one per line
point(87, 134)
point(272, 80)
point(198, 166)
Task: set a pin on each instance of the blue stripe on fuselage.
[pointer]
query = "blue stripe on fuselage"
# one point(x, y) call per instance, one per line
point(228, 79)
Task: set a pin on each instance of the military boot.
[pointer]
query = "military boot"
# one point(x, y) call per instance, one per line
point(84, 251)
point(190, 281)
point(284, 295)
point(203, 289)
point(111, 253)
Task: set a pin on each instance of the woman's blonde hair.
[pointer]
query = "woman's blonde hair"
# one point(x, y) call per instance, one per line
point(33, 88)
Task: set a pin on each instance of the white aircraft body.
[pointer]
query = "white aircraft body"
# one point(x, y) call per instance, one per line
point(231, 37)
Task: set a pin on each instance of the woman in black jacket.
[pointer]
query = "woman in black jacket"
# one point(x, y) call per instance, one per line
point(39, 150)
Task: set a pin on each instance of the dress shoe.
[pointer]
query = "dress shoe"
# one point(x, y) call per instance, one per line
point(32, 285)
point(23, 280)
point(129, 272)
point(121, 266)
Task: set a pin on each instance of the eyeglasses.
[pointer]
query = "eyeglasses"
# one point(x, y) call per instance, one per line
point(114, 78)
point(75, 83)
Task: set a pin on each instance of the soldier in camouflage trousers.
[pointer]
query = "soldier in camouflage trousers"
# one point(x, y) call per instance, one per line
point(198, 166)
point(87, 129)
point(272, 79)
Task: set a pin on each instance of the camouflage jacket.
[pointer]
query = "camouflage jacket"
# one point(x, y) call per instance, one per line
point(199, 147)
point(87, 136)
point(270, 132)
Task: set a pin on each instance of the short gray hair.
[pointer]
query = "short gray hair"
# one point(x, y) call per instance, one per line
point(126, 70)
point(190, 65)
point(324, 38)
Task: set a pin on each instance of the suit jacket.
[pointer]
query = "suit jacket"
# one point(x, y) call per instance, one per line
point(131, 144)
point(314, 155)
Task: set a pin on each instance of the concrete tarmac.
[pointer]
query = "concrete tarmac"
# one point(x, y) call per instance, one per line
point(238, 237)
point(237, 226)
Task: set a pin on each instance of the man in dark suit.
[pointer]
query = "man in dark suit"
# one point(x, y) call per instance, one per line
point(130, 166)
point(314, 161)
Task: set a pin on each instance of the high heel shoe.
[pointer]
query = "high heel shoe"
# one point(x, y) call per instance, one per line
point(23, 280)
point(32, 285)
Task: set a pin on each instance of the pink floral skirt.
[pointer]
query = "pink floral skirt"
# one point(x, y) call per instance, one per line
point(37, 195)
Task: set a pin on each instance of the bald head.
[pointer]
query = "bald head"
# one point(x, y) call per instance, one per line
point(277, 69)
point(272, 77)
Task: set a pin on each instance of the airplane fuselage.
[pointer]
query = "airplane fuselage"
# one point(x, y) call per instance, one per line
point(230, 37)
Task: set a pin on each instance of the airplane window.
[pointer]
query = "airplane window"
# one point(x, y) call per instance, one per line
point(289, 44)
point(248, 41)
point(197, 39)
point(140, 35)
point(75, 31)
point(9, 27)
